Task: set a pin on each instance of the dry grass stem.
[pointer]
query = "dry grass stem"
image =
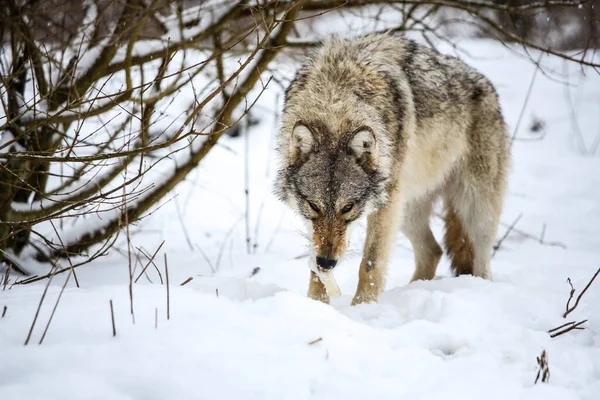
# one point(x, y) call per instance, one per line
point(188, 280)
point(168, 296)
point(315, 341)
point(543, 368)
point(62, 289)
point(112, 318)
point(37, 312)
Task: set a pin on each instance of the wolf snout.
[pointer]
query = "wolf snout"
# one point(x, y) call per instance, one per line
point(326, 263)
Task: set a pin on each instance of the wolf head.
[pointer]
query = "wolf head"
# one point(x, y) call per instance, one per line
point(331, 181)
point(338, 140)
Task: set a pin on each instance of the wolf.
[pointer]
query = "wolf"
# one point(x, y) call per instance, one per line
point(381, 126)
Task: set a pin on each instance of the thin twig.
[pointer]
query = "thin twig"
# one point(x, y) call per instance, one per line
point(571, 293)
point(183, 227)
point(225, 240)
point(128, 236)
point(562, 326)
point(570, 328)
point(141, 250)
point(149, 262)
point(510, 228)
point(212, 268)
point(569, 310)
point(33, 278)
point(188, 280)
point(4, 311)
point(537, 68)
point(168, 297)
point(7, 275)
point(523, 234)
point(315, 341)
point(543, 368)
point(543, 233)
point(267, 168)
point(68, 256)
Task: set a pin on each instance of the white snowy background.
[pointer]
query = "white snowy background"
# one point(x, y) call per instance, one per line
point(243, 328)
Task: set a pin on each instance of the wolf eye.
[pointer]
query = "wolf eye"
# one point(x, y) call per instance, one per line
point(314, 207)
point(347, 208)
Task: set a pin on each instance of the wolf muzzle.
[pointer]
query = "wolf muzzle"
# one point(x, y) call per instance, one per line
point(326, 263)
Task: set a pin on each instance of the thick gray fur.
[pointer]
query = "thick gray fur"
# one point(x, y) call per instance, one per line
point(385, 126)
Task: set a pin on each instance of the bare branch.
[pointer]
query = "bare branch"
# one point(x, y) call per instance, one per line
point(570, 309)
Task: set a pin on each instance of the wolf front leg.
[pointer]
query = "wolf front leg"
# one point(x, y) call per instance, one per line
point(316, 289)
point(382, 227)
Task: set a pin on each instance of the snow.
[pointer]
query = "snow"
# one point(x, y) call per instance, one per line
point(6, 137)
point(238, 334)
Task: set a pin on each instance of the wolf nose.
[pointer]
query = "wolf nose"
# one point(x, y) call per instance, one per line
point(326, 263)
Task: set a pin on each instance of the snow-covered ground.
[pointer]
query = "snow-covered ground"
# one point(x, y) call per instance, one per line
point(238, 332)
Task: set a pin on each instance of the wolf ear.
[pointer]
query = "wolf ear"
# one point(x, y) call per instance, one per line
point(301, 142)
point(363, 145)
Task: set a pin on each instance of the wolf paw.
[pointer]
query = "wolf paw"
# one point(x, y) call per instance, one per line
point(322, 297)
point(362, 298)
